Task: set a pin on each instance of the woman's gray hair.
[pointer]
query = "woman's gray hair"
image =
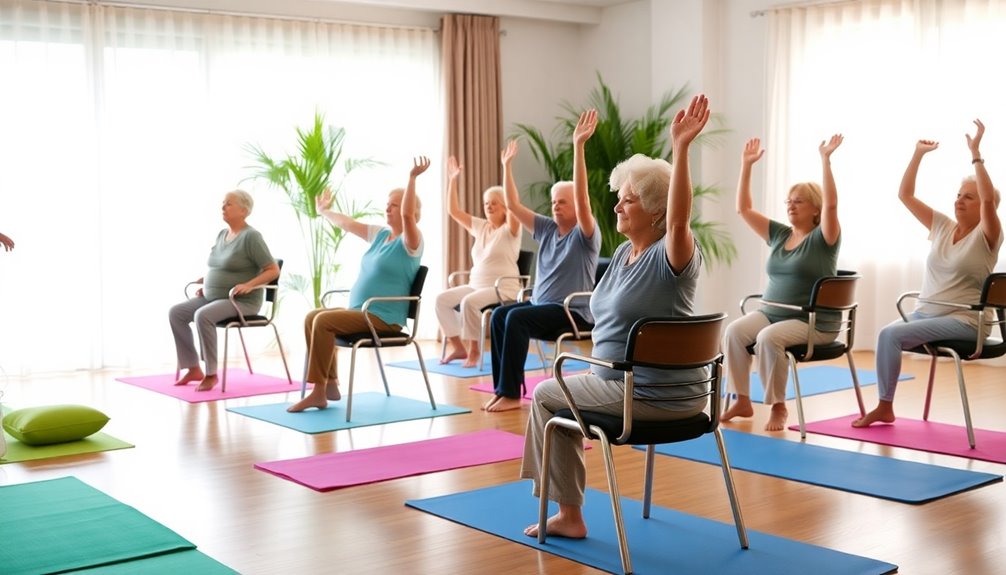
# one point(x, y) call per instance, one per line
point(494, 191)
point(970, 179)
point(650, 179)
point(243, 199)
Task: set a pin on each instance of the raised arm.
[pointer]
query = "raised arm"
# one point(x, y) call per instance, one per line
point(991, 225)
point(463, 218)
point(906, 193)
point(339, 220)
point(753, 218)
point(410, 226)
point(830, 227)
point(687, 124)
point(515, 209)
point(8, 244)
point(581, 197)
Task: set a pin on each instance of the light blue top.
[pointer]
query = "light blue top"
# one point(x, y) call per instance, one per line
point(792, 273)
point(386, 270)
point(234, 262)
point(645, 288)
point(566, 264)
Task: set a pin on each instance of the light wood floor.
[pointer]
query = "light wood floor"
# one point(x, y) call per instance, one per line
point(192, 471)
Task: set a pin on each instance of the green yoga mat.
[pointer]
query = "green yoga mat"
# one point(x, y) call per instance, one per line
point(191, 561)
point(63, 524)
point(17, 451)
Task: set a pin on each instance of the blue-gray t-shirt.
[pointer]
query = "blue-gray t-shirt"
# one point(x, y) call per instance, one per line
point(566, 264)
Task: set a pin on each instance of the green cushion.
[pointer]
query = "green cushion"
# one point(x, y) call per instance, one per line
point(48, 424)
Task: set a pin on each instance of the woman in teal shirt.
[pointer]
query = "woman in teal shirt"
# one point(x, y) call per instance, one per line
point(801, 253)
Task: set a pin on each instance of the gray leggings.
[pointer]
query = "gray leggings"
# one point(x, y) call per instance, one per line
point(205, 314)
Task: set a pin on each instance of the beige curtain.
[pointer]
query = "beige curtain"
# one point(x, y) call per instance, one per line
point(471, 72)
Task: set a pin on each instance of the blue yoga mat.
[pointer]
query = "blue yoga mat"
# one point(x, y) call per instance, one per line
point(370, 408)
point(818, 379)
point(668, 542)
point(904, 481)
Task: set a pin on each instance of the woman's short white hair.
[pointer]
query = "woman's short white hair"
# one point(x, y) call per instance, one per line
point(493, 191)
point(243, 199)
point(970, 179)
point(650, 179)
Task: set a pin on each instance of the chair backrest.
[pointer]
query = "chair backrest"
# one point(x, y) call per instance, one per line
point(271, 294)
point(835, 292)
point(525, 262)
point(994, 296)
point(602, 266)
point(675, 342)
point(417, 290)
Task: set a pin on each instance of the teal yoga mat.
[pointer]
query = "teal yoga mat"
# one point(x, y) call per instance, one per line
point(818, 379)
point(64, 524)
point(668, 542)
point(883, 477)
point(369, 408)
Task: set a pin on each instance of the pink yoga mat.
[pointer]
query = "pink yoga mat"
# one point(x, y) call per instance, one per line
point(529, 382)
point(331, 471)
point(240, 383)
point(916, 434)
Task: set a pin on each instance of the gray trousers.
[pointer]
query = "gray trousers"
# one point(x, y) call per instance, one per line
point(591, 393)
point(205, 314)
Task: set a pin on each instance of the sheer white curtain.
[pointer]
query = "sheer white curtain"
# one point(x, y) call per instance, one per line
point(884, 73)
point(120, 131)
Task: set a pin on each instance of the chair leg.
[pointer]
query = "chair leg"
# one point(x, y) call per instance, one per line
point(616, 500)
point(486, 315)
point(799, 398)
point(648, 480)
point(964, 400)
point(855, 384)
point(303, 378)
point(545, 364)
point(223, 378)
point(352, 374)
point(545, 479)
point(728, 479)
point(282, 355)
point(380, 366)
point(929, 388)
point(426, 377)
point(244, 348)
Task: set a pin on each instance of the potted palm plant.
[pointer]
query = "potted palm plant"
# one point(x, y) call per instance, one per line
point(303, 177)
point(614, 140)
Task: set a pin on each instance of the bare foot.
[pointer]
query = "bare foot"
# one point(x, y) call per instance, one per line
point(192, 374)
point(471, 361)
point(777, 421)
point(504, 404)
point(560, 526)
point(208, 383)
point(455, 354)
point(312, 400)
point(490, 403)
point(883, 413)
point(332, 390)
point(741, 408)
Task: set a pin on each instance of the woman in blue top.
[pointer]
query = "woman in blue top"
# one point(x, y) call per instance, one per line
point(653, 273)
point(801, 253)
point(239, 262)
point(387, 269)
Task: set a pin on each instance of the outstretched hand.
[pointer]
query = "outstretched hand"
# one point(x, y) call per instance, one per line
point(926, 146)
point(454, 169)
point(419, 165)
point(509, 153)
point(688, 123)
point(585, 126)
point(826, 148)
point(8, 244)
point(752, 151)
point(973, 142)
point(324, 201)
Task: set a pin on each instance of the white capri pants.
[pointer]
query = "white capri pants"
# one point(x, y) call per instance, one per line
point(770, 342)
point(468, 322)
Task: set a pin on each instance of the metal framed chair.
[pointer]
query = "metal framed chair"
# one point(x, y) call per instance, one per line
point(525, 262)
point(993, 303)
point(377, 340)
point(573, 331)
point(833, 296)
point(669, 343)
point(240, 322)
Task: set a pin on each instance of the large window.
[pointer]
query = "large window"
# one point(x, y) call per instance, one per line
point(885, 73)
point(120, 131)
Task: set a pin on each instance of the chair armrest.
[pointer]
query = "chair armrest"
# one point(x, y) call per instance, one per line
point(187, 286)
point(366, 316)
point(237, 310)
point(525, 294)
point(567, 302)
point(557, 374)
point(744, 302)
point(454, 275)
point(324, 296)
point(523, 279)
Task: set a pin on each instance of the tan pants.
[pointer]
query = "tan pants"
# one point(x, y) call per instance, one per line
point(322, 326)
